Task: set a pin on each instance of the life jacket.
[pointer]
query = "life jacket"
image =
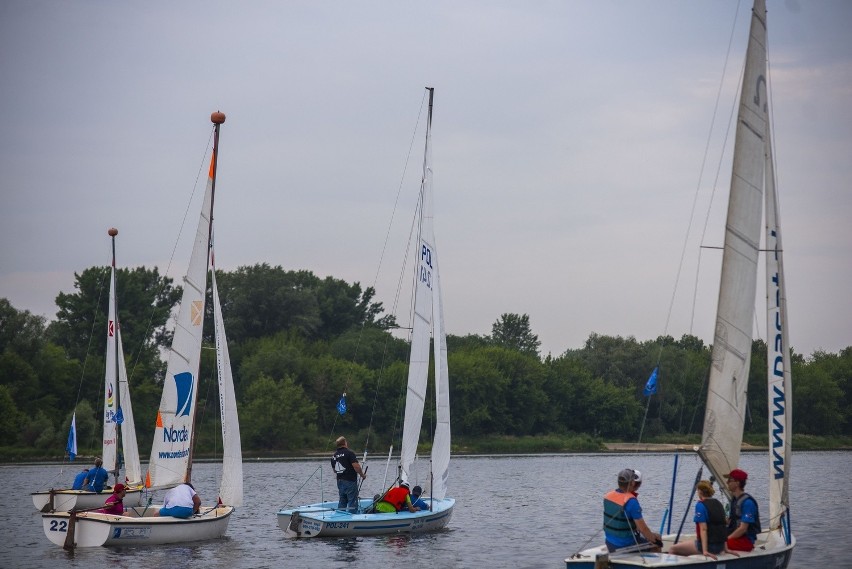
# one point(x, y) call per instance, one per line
point(396, 497)
point(616, 523)
point(737, 513)
point(717, 532)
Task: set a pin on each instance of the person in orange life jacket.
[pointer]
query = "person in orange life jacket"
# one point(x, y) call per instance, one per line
point(395, 499)
point(744, 523)
point(347, 468)
point(115, 503)
point(622, 519)
point(710, 528)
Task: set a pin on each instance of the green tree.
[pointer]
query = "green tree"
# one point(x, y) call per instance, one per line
point(513, 331)
point(277, 415)
point(145, 301)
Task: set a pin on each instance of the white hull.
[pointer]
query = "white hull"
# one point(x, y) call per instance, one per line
point(67, 500)
point(95, 530)
point(770, 552)
point(324, 520)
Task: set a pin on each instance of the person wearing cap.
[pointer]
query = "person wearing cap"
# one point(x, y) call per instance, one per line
point(744, 523)
point(80, 479)
point(395, 499)
point(115, 503)
point(97, 477)
point(622, 517)
point(416, 500)
point(710, 529)
point(347, 468)
point(637, 482)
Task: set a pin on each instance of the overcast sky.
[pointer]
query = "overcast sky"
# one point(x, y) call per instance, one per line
point(568, 144)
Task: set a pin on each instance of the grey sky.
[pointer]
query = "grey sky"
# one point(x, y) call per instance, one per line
point(568, 141)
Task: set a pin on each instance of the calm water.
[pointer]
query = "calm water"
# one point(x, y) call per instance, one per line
point(518, 511)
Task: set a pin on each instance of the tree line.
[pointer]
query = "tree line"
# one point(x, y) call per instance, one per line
point(298, 342)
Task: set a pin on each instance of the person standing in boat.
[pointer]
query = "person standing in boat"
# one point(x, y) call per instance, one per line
point(347, 468)
point(97, 477)
point(744, 523)
point(80, 479)
point(622, 517)
point(395, 499)
point(710, 529)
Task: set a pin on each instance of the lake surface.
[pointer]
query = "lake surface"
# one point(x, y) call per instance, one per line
point(511, 511)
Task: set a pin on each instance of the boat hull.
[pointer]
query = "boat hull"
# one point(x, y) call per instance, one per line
point(324, 520)
point(67, 500)
point(770, 552)
point(141, 526)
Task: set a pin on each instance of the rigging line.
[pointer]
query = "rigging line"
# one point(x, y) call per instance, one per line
point(399, 189)
point(89, 346)
point(171, 259)
point(715, 185)
point(698, 185)
point(379, 267)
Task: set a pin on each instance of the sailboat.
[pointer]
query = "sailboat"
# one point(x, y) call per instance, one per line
point(118, 423)
point(752, 183)
point(174, 434)
point(324, 519)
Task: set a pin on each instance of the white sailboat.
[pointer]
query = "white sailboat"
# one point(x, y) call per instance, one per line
point(171, 452)
point(324, 519)
point(118, 423)
point(752, 183)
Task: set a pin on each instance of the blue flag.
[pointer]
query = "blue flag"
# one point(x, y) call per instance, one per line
point(341, 405)
point(71, 447)
point(119, 416)
point(651, 386)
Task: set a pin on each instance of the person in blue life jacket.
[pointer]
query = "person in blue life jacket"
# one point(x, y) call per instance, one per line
point(622, 518)
point(416, 500)
point(80, 479)
point(97, 477)
point(744, 522)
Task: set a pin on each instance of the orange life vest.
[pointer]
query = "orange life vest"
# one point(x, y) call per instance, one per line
point(397, 497)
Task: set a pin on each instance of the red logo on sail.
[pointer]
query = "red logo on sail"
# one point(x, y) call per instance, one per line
point(111, 328)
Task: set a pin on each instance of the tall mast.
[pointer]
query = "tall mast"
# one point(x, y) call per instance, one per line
point(112, 233)
point(217, 118)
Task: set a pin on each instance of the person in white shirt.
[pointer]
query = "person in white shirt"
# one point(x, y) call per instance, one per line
point(181, 501)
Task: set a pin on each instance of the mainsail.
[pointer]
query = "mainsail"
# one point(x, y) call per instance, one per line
point(428, 336)
point(118, 411)
point(171, 449)
point(728, 383)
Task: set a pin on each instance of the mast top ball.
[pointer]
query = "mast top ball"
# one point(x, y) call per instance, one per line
point(112, 232)
point(218, 117)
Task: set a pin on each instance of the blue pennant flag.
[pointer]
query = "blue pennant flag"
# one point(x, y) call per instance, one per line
point(71, 447)
point(341, 405)
point(651, 386)
point(119, 416)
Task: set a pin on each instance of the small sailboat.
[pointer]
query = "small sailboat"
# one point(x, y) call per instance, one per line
point(171, 452)
point(324, 519)
point(118, 424)
point(751, 183)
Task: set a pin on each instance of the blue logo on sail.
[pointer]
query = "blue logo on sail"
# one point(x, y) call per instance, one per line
point(184, 384)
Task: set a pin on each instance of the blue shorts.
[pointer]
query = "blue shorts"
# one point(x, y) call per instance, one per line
point(177, 512)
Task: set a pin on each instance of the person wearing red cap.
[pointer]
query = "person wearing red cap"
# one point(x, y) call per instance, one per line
point(744, 523)
point(115, 503)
